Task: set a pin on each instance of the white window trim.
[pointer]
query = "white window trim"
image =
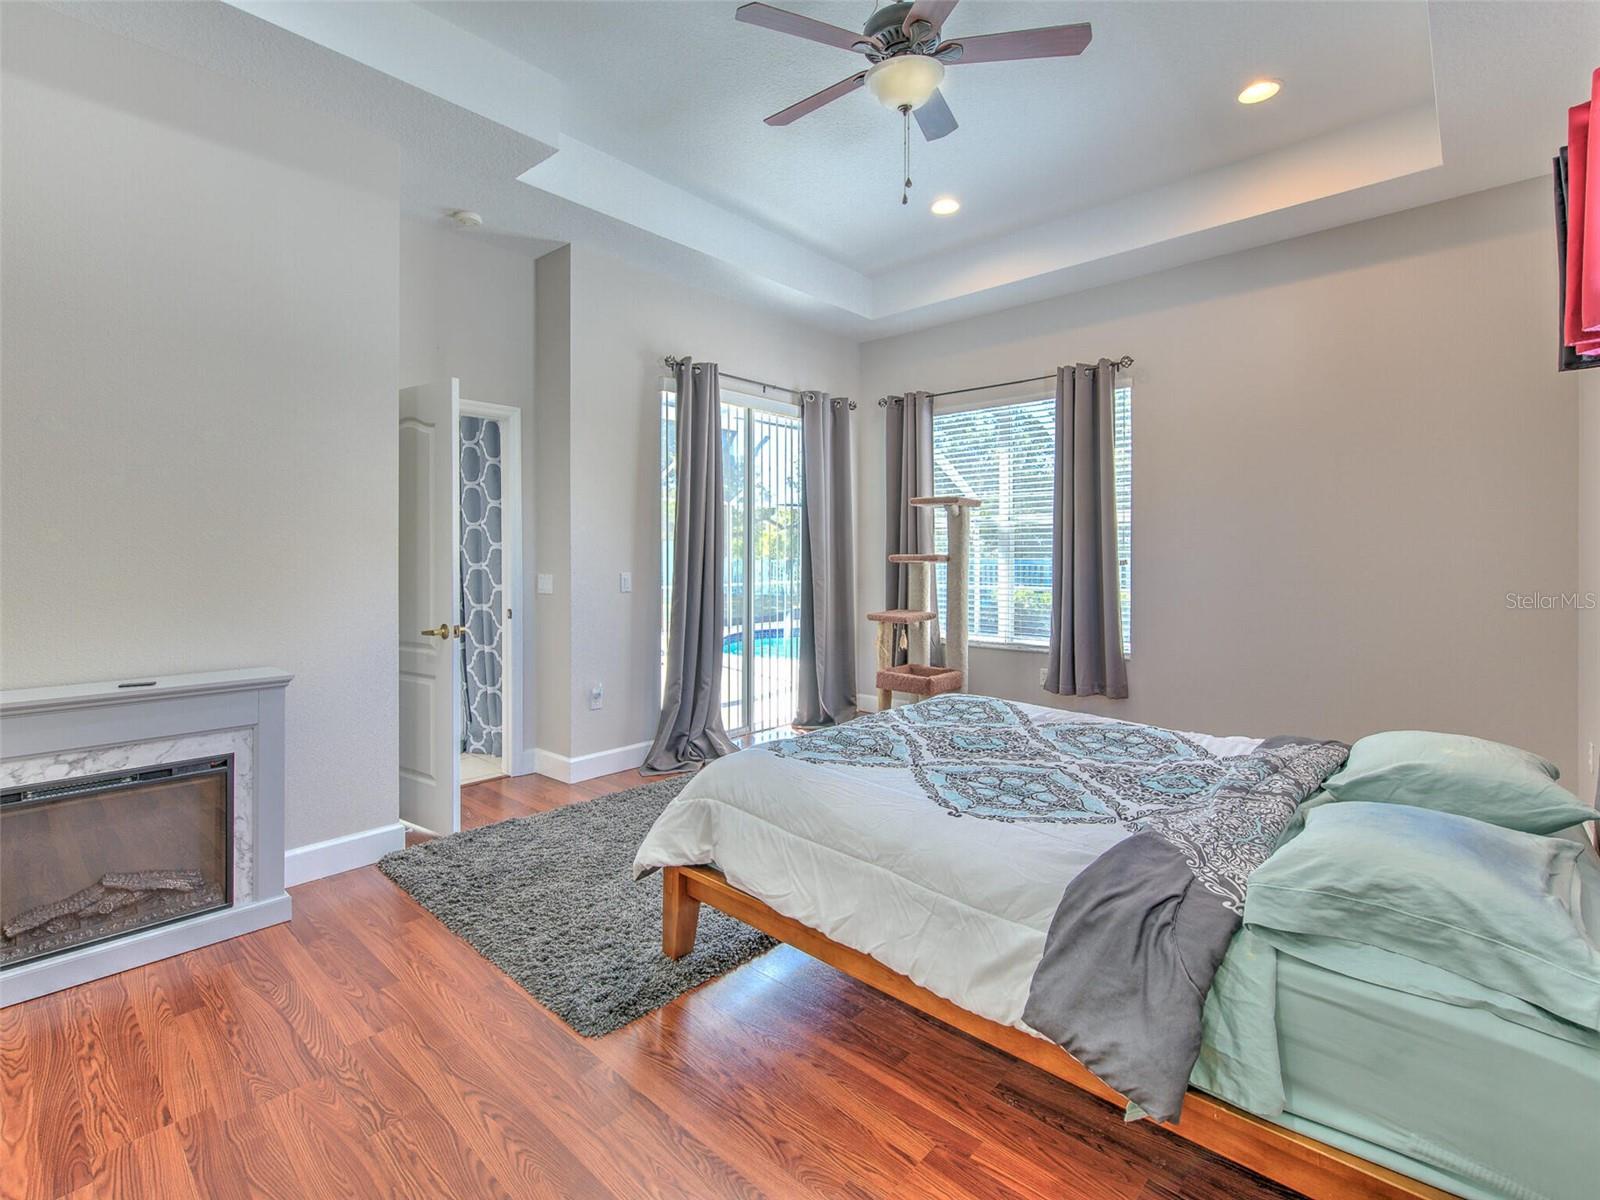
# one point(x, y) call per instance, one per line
point(783, 408)
point(1010, 647)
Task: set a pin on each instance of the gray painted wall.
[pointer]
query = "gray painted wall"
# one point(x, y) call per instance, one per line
point(616, 324)
point(467, 311)
point(552, 549)
point(1349, 446)
point(1347, 449)
point(198, 430)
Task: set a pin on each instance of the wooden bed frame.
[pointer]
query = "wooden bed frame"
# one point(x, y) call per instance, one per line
point(1292, 1159)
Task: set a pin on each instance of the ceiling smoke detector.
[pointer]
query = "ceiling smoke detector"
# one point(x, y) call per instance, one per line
point(465, 218)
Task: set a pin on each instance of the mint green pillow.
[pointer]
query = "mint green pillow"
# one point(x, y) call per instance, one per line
point(1493, 905)
point(1455, 773)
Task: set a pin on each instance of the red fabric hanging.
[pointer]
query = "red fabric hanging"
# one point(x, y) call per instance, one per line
point(1572, 331)
point(1589, 282)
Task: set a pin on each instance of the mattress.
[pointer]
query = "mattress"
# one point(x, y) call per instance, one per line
point(1449, 1090)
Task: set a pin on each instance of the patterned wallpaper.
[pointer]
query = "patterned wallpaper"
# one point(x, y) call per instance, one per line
point(481, 600)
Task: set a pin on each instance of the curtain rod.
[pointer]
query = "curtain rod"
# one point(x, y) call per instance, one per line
point(1122, 363)
point(760, 383)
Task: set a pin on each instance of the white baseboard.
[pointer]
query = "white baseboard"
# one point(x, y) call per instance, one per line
point(524, 761)
point(589, 766)
point(305, 863)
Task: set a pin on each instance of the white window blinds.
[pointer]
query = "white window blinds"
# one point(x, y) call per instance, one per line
point(1004, 455)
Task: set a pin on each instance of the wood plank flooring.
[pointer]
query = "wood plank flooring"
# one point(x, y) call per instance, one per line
point(363, 1051)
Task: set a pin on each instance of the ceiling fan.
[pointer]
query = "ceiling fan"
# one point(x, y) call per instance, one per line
point(905, 44)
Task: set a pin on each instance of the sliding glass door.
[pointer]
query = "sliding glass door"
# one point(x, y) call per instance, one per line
point(761, 563)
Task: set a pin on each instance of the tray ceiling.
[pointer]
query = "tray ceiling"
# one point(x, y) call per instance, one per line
point(637, 127)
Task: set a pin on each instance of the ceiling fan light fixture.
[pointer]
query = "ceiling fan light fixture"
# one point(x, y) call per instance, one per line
point(905, 81)
point(1260, 89)
point(945, 206)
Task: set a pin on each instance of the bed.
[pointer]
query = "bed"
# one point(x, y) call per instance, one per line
point(926, 851)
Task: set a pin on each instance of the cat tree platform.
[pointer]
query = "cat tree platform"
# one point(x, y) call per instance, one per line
point(901, 616)
point(915, 679)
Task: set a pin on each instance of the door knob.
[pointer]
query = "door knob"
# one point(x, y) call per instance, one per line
point(446, 631)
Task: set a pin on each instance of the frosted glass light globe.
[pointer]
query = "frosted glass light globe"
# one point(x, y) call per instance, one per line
point(905, 82)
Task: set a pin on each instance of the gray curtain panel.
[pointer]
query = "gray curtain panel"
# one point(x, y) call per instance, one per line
point(1085, 620)
point(827, 563)
point(908, 472)
point(691, 730)
point(482, 599)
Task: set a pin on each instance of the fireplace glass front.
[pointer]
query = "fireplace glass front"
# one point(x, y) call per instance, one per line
point(86, 860)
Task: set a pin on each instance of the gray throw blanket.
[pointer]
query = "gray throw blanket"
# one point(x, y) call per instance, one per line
point(1139, 934)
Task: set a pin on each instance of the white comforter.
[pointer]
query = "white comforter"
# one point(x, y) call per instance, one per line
point(865, 855)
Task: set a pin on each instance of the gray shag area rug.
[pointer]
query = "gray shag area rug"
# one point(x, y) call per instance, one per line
point(551, 900)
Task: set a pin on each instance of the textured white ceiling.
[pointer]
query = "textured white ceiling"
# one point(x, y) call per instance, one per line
point(680, 89)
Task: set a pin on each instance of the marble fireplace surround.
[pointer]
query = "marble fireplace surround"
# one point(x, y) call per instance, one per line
point(59, 733)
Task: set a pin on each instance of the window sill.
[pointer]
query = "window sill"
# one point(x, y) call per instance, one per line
point(1010, 647)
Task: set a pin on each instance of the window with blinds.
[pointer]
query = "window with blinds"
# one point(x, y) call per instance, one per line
point(1004, 454)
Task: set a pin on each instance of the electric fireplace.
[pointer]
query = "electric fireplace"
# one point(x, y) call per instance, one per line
point(105, 856)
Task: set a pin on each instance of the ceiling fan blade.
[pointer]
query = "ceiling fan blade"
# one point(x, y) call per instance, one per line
point(934, 118)
point(1056, 41)
point(783, 21)
point(811, 103)
point(934, 12)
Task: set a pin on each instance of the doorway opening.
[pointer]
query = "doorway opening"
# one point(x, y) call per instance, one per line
point(483, 563)
point(462, 636)
point(761, 491)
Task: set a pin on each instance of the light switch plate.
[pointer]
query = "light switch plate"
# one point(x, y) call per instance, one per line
point(597, 696)
point(625, 581)
point(547, 584)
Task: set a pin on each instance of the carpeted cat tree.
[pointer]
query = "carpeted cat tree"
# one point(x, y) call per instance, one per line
point(909, 626)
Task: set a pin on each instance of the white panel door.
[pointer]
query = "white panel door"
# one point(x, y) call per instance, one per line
point(430, 608)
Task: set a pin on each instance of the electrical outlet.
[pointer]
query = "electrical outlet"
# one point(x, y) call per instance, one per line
point(597, 696)
point(1591, 758)
point(625, 581)
point(547, 584)
point(1043, 671)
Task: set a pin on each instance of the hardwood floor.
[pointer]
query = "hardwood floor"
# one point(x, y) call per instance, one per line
point(363, 1051)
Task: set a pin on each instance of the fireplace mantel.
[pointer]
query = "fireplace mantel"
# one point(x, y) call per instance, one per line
point(121, 691)
point(59, 733)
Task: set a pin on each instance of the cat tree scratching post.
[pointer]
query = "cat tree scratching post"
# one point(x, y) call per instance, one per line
point(919, 596)
point(958, 514)
point(916, 677)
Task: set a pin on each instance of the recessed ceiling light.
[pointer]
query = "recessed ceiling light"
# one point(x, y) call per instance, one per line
point(1259, 90)
point(944, 206)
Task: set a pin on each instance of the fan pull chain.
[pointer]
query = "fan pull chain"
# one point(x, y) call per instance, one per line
point(905, 116)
